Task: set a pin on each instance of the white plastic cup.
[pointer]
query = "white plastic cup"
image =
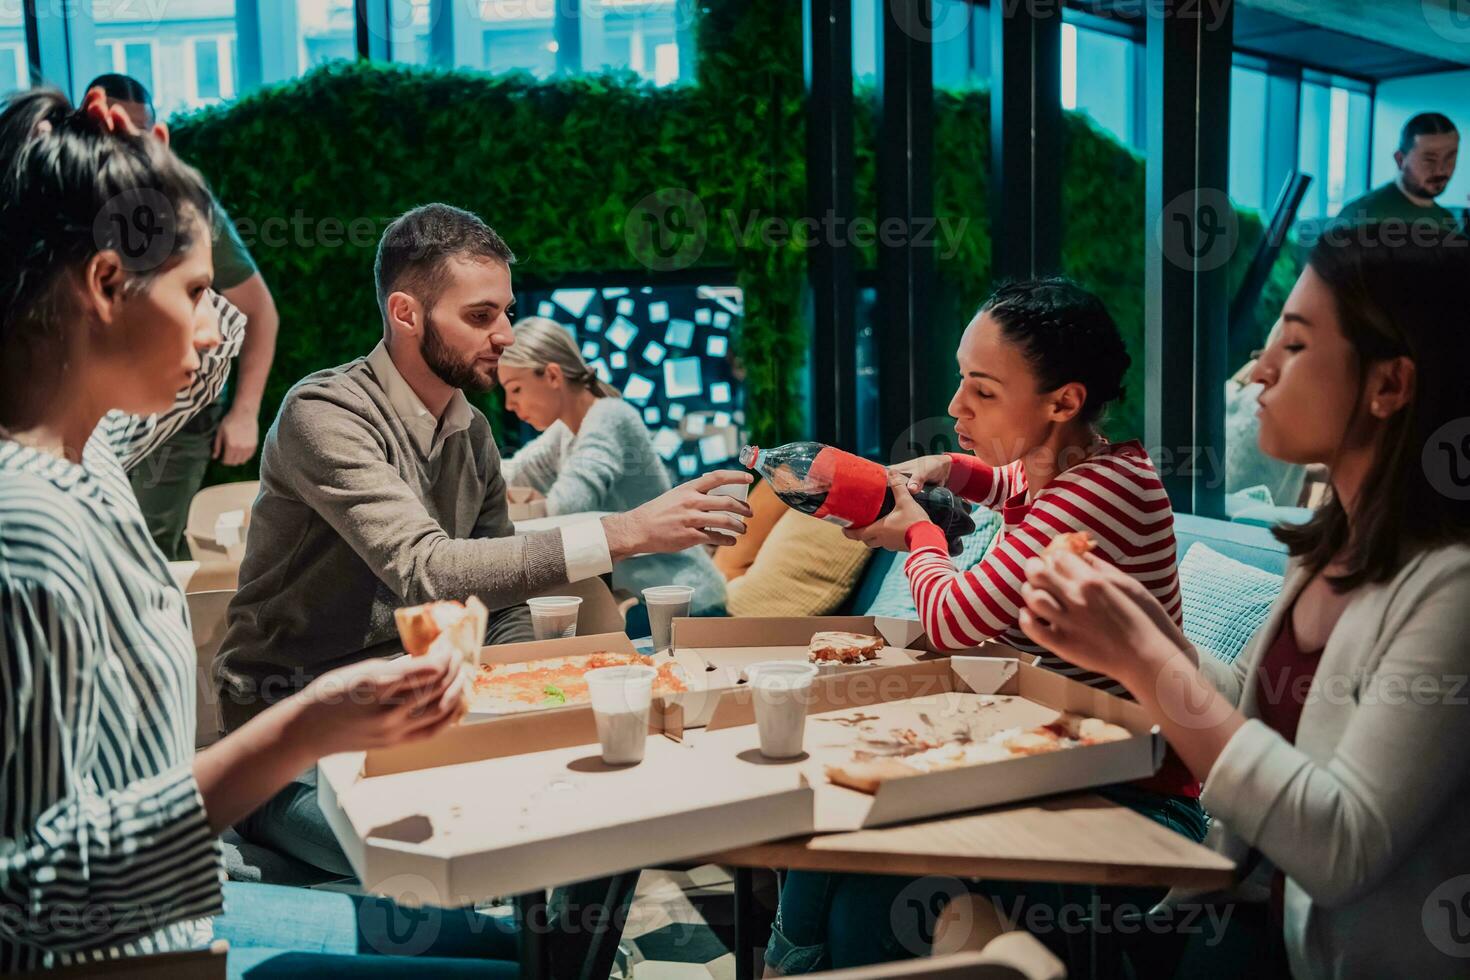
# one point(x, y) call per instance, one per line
point(740, 491)
point(781, 690)
point(621, 697)
point(554, 617)
point(664, 603)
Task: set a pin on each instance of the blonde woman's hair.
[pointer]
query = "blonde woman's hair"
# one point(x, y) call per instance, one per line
point(541, 341)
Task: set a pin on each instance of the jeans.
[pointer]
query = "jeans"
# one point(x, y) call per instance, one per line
point(280, 932)
point(836, 921)
point(292, 823)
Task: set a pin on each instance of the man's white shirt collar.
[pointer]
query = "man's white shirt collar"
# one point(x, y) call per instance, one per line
point(419, 421)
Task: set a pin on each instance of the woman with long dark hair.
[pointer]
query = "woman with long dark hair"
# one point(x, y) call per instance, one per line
point(110, 340)
point(1331, 749)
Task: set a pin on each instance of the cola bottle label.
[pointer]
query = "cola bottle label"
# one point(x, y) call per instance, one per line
point(856, 487)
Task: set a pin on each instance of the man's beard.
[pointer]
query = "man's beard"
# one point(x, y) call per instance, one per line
point(1419, 190)
point(447, 367)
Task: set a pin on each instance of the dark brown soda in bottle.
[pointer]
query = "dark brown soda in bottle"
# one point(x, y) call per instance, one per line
point(848, 490)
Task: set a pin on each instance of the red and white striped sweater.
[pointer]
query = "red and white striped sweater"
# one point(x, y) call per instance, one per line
point(1115, 496)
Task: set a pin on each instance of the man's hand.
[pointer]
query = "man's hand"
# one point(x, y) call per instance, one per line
point(678, 519)
point(238, 436)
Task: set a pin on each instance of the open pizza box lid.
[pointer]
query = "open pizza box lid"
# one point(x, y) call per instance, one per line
point(895, 697)
point(527, 803)
point(714, 652)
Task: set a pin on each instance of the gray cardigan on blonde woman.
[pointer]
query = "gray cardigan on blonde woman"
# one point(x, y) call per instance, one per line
point(610, 464)
point(1365, 812)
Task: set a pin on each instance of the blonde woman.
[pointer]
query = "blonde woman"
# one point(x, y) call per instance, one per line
point(593, 453)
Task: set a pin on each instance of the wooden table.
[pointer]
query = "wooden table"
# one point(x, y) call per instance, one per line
point(1076, 839)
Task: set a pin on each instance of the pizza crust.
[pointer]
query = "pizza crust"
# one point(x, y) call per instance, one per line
point(445, 624)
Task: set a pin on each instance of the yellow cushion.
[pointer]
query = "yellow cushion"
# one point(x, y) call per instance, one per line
point(805, 568)
point(766, 509)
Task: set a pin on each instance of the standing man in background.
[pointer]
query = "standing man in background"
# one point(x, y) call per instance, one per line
point(1429, 148)
point(165, 482)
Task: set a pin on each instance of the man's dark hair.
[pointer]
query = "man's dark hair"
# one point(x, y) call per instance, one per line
point(1424, 124)
point(1066, 335)
point(122, 88)
point(413, 252)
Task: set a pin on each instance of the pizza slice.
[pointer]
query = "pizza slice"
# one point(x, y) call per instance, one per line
point(434, 626)
point(1078, 543)
point(838, 646)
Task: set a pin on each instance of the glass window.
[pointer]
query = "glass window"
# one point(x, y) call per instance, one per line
point(961, 44)
point(1098, 78)
point(654, 38)
point(1335, 123)
point(14, 71)
point(518, 35)
point(1248, 114)
point(327, 31)
point(408, 24)
point(206, 69)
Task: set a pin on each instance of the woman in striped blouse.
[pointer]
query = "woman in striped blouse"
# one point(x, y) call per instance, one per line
point(1038, 364)
point(110, 340)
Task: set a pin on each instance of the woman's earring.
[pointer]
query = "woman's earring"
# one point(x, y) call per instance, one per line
point(1374, 407)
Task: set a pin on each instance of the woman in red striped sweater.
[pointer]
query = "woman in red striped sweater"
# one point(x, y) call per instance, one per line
point(1038, 364)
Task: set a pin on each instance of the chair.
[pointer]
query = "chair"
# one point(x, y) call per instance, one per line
point(204, 511)
point(190, 964)
point(600, 612)
point(207, 614)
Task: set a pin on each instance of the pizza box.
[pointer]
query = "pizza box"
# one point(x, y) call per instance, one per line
point(526, 803)
point(572, 646)
point(904, 696)
point(524, 503)
point(714, 651)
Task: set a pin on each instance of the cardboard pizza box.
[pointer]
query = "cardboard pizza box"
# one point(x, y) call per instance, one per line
point(572, 646)
point(904, 696)
point(524, 503)
point(527, 803)
point(715, 651)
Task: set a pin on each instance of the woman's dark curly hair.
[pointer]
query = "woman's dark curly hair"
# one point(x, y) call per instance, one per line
point(1067, 336)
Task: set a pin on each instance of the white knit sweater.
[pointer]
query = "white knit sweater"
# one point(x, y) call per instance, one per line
point(610, 464)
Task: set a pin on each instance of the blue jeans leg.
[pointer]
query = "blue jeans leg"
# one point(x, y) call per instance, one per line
point(834, 921)
point(292, 823)
point(280, 932)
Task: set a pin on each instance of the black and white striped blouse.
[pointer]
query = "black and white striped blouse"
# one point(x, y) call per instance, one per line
point(105, 849)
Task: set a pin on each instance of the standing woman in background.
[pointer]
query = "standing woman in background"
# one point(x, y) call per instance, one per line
point(593, 453)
